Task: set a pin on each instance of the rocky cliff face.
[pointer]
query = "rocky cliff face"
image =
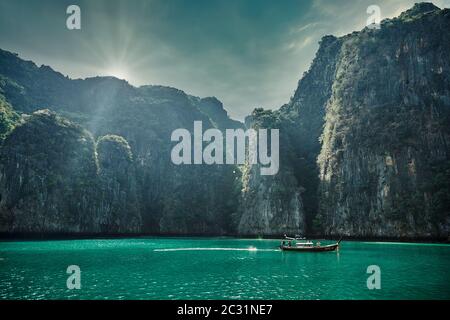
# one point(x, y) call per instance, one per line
point(47, 176)
point(214, 109)
point(379, 101)
point(138, 189)
point(118, 201)
point(287, 202)
point(386, 134)
point(271, 205)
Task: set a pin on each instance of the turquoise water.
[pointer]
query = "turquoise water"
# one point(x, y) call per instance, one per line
point(216, 268)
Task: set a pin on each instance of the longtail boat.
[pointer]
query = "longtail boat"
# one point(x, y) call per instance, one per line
point(292, 244)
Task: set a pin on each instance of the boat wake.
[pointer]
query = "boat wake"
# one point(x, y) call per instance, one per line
point(410, 244)
point(251, 249)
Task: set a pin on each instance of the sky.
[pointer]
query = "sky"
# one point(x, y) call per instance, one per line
point(247, 53)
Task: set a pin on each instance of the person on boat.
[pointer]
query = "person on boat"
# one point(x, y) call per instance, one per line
point(290, 244)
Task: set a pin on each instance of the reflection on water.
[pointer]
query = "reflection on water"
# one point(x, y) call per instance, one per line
point(219, 268)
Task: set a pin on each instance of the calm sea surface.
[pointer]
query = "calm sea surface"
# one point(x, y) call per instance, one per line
point(216, 268)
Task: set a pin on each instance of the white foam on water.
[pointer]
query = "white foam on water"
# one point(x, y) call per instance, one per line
point(251, 249)
point(410, 244)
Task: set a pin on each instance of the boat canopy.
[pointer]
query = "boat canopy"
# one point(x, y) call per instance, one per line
point(308, 243)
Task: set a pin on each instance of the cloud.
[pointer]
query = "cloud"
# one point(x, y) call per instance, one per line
point(301, 43)
point(302, 28)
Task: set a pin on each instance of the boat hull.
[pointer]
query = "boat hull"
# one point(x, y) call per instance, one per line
point(332, 247)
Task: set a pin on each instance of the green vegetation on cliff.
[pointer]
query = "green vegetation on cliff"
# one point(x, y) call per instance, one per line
point(48, 169)
point(8, 118)
point(137, 188)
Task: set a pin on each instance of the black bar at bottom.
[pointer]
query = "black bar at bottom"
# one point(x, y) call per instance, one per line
point(193, 309)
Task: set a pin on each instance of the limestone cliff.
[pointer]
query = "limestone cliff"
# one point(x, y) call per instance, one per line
point(118, 202)
point(379, 100)
point(47, 176)
point(386, 139)
point(271, 205)
point(287, 203)
point(145, 193)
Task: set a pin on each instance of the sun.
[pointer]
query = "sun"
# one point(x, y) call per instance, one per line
point(118, 72)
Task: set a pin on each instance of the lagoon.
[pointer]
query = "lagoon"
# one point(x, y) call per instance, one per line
point(220, 268)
